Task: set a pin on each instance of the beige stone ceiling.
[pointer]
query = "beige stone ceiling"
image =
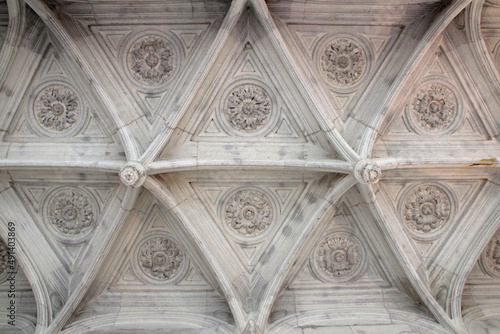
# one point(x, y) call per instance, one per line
point(250, 167)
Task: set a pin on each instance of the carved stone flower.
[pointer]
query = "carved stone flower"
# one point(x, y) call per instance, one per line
point(151, 60)
point(4, 259)
point(338, 256)
point(490, 259)
point(367, 171)
point(71, 212)
point(248, 108)
point(343, 62)
point(426, 209)
point(434, 108)
point(160, 258)
point(249, 212)
point(57, 108)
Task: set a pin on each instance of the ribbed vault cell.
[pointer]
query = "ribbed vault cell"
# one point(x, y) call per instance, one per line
point(250, 166)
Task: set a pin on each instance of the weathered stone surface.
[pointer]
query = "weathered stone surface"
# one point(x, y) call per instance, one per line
point(250, 166)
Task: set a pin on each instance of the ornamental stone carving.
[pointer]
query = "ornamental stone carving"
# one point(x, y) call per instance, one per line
point(5, 267)
point(71, 212)
point(426, 209)
point(343, 62)
point(133, 174)
point(338, 257)
point(248, 108)
point(490, 259)
point(160, 258)
point(367, 171)
point(57, 109)
point(248, 212)
point(434, 108)
point(151, 60)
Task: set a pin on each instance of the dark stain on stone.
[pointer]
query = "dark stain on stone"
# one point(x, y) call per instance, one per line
point(287, 230)
point(267, 255)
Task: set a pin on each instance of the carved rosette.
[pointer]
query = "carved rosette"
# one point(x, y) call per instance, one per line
point(57, 109)
point(248, 212)
point(248, 108)
point(343, 62)
point(339, 257)
point(426, 209)
point(367, 171)
point(160, 258)
point(71, 212)
point(434, 108)
point(490, 258)
point(151, 60)
point(4, 262)
point(133, 174)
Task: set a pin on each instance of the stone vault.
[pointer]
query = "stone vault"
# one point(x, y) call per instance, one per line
point(250, 166)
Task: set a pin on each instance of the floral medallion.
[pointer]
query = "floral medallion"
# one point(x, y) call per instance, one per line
point(151, 60)
point(248, 212)
point(71, 212)
point(338, 257)
point(426, 209)
point(490, 259)
point(434, 108)
point(343, 62)
point(367, 171)
point(160, 258)
point(57, 109)
point(133, 174)
point(248, 108)
point(5, 267)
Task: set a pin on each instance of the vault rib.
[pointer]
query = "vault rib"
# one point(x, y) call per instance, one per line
point(95, 257)
point(412, 266)
point(178, 165)
point(57, 28)
point(161, 140)
point(440, 22)
point(311, 91)
point(223, 277)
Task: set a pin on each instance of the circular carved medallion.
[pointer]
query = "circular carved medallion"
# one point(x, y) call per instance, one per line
point(367, 171)
point(343, 62)
point(5, 267)
point(434, 108)
point(248, 108)
point(338, 257)
point(151, 60)
point(160, 258)
point(248, 212)
point(490, 259)
point(133, 174)
point(71, 212)
point(57, 109)
point(426, 209)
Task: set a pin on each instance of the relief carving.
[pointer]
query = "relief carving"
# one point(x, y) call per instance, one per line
point(160, 258)
point(151, 60)
point(490, 259)
point(71, 212)
point(57, 109)
point(434, 108)
point(338, 257)
point(426, 209)
point(343, 62)
point(4, 262)
point(367, 171)
point(248, 212)
point(248, 108)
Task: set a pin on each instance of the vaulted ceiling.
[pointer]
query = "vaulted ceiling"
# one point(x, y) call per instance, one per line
point(250, 167)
